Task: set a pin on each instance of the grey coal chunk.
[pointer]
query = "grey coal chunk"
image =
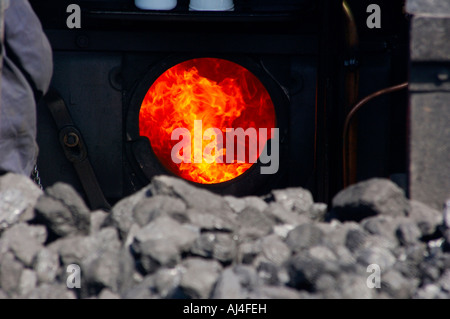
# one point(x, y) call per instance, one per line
point(344, 256)
point(445, 261)
point(425, 217)
point(162, 242)
point(248, 277)
point(335, 233)
point(281, 215)
point(51, 291)
point(127, 269)
point(121, 216)
point(142, 290)
point(219, 246)
point(253, 224)
point(257, 202)
point(379, 241)
point(212, 220)
point(166, 282)
point(326, 285)
point(274, 249)
point(356, 239)
point(108, 294)
point(69, 197)
point(100, 271)
point(369, 198)
point(236, 282)
point(318, 211)
point(323, 253)
point(228, 286)
point(199, 277)
point(73, 250)
point(430, 291)
point(376, 256)
point(297, 200)
point(408, 233)
point(106, 240)
point(204, 245)
point(18, 196)
point(236, 204)
point(10, 274)
point(46, 265)
point(99, 257)
point(63, 211)
point(430, 270)
point(416, 253)
point(283, 230)
point(154, 254)
point(248, 251)
point(409, 258)
point(106, 265)
point(134, 229)
point(28, 281)
point(354, 286)
point(407, 268)
point(304, 270)
point(97, 220)
point(397, 286)
point(239, 204)
point(56, 217)
point(151, 208)
point(275, 292)
point(192, 196)
point(24, 241)
point(444, 281)
point(268, 273)
point(385, 226)
point(303, 237)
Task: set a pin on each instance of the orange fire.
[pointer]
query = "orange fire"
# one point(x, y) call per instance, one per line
point(223, 95)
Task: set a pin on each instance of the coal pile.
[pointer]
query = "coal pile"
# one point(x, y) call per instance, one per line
point(173, 240)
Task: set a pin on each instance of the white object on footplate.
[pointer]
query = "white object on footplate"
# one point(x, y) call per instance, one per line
point(156, 4)
point(211, 5)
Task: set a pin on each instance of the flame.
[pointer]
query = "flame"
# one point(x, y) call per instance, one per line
point(223, 95)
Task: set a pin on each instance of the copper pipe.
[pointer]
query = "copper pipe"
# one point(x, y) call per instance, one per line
point(354, 110)
point(351, 95)
point(351, 32)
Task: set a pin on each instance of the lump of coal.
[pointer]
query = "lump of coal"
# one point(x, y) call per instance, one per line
point(63, 211)
point(369, 198)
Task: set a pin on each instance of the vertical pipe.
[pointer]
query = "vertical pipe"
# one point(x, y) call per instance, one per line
point(330, 33)
point(351, 97)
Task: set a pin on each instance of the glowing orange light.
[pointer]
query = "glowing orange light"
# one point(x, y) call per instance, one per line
point(222, 94)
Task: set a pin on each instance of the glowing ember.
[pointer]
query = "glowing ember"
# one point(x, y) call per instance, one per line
point(223, 95)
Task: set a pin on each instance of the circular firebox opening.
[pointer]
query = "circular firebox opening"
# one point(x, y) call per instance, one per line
point(205, 119)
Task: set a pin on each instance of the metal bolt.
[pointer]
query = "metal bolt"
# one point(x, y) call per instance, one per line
point(82, 41)
point(71, 140)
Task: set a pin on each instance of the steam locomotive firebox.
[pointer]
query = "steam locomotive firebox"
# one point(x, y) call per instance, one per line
point(215, 92)
point(239, 102)
point(184, 117)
